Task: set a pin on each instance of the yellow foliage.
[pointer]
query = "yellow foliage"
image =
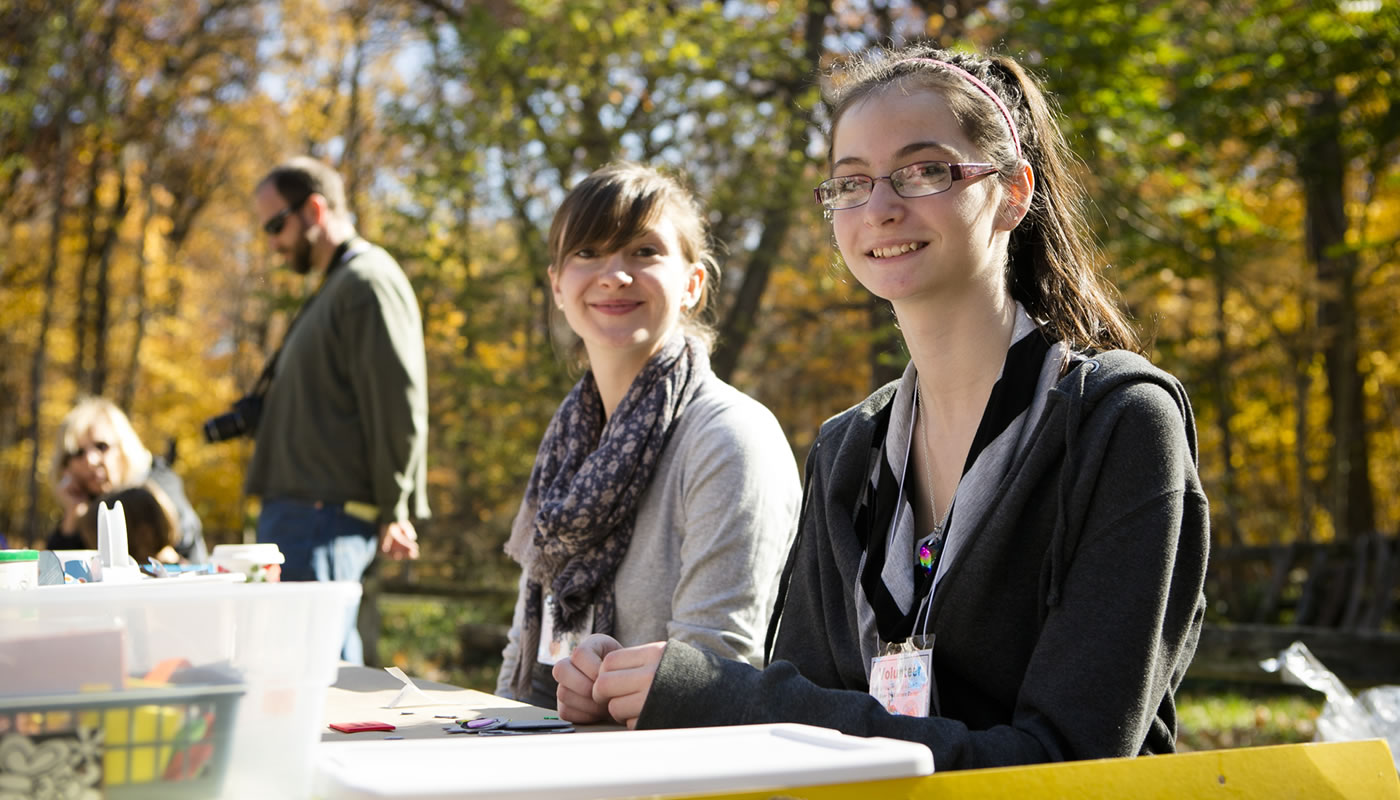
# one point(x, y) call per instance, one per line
point(214, 304)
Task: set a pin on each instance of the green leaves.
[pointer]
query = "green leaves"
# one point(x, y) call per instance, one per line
point(471, 119)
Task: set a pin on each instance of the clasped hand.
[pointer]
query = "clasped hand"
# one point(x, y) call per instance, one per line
point(603, 680)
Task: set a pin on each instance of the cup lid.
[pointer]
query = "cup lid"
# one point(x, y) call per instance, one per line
point(261, 553)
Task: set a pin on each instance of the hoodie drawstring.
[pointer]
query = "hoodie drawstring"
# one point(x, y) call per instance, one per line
point(1075, 413)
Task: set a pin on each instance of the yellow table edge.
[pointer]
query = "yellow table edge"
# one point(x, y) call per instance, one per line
point(1362, 770)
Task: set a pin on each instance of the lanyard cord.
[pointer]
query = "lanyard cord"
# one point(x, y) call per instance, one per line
point(925, 599)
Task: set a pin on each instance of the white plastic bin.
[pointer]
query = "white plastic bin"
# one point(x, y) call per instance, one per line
point(590, 766)
point(282, 639)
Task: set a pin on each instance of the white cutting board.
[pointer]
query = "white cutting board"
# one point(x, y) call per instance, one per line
point(583, 766)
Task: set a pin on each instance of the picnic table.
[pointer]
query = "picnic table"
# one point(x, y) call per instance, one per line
point(1361, 769)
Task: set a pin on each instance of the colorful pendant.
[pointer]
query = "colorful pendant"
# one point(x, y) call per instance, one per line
point(925, 558)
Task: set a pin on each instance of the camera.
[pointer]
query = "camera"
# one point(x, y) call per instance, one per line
point(241, 421)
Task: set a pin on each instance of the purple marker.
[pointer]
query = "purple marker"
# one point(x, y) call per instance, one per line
point(483, 724)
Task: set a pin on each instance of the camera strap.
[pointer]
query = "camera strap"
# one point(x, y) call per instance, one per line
point(347, 250)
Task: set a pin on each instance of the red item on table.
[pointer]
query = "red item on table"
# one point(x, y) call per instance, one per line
point(360, 727)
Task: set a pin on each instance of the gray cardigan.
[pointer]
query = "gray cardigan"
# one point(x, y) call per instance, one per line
point(711, 533)
point(1064, 627)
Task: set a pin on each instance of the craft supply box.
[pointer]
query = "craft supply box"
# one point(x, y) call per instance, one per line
point(169, 743)
point(280, 640)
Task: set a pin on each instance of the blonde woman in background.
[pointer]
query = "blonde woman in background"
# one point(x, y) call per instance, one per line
point(98, 452)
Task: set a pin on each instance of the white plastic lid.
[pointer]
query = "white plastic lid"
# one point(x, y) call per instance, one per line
point(266, 553)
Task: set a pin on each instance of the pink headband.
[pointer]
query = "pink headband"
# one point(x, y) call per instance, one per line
point(1005, 113)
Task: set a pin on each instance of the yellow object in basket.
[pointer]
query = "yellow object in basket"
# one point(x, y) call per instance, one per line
point(138, 742)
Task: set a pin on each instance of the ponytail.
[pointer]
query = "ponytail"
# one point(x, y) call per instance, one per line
point(1053, 267)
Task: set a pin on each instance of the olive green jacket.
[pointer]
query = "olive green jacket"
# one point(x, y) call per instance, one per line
point(346, 416)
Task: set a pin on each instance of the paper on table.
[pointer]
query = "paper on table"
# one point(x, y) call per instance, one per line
point(409, 695)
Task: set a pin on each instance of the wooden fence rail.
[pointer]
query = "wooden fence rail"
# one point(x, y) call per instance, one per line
point(1347, 585)
point(1339, 598)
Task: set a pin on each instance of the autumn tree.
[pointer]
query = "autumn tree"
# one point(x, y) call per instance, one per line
point(107, 107)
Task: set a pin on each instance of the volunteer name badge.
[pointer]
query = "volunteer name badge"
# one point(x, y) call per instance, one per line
point(902, 682)
point(555, 645)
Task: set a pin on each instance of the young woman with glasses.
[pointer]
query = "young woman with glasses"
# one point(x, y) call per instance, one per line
point(662, 500)
point(1001, 555)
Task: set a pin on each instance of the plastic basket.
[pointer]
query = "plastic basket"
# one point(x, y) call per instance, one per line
point(168, 742)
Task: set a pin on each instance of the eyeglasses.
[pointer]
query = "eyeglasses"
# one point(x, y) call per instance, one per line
point(82, 451)
point(916, 180)
point(278, 221)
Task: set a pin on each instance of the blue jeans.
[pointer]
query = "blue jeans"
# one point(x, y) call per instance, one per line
point(321, 544)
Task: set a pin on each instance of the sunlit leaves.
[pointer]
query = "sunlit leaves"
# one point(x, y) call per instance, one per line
point(1192, 113)
point(460, 131)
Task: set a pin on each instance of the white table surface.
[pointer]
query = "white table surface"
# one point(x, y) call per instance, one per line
point(362, 694)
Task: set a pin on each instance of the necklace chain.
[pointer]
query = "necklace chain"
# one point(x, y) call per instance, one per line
point(939, 520)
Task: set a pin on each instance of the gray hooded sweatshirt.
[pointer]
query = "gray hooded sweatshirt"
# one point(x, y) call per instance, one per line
point(1062, 630)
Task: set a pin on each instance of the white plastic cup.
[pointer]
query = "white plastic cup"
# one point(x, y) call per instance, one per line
point(19, 569)
point(259, 563)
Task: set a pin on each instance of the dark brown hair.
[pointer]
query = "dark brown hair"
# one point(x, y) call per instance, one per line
point(615, 204)
point(303, 176)
point(1053, 266)
point(150, 520)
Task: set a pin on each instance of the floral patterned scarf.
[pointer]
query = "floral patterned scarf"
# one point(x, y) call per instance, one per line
point(575, 522)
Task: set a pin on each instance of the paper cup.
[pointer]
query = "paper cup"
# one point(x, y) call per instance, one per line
point(19, 569)
point(259, 563)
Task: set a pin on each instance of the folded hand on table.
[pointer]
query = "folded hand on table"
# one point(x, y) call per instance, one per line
point(575, 676)
point(624, 680)
point(602, 680)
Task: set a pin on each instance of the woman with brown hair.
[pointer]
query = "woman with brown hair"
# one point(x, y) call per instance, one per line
point(662, 499)
point(1002, 553)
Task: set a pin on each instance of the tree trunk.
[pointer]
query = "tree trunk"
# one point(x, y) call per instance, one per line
point(738, 323)
point(1225, 504)
point(1323, 169)
point(351, 160)
point(594, 139)
point(1302, 387)
point(12, 432)
point(102, 294)
point(37, 366)
point(528, 239)
point(82, 326)
point(128, 392)
point(95, 80)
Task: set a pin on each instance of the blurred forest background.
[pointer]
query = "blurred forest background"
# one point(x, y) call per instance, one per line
point(1242, 157)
